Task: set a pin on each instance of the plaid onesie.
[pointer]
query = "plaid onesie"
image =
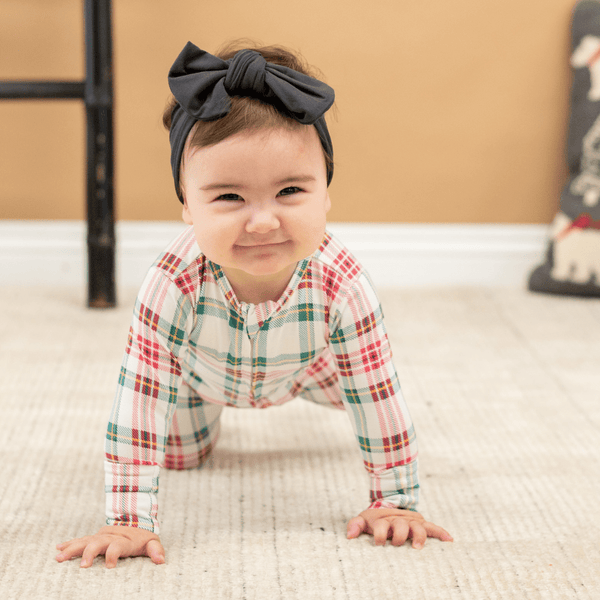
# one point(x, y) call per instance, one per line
point(193, 348)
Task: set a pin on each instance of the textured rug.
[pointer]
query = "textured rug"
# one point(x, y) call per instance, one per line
point(504, 390)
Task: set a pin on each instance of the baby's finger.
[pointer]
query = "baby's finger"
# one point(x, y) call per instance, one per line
point(69, 550)
point(155, 550)
point(115, 550)
point(63, 545)
point(92, 550)
point(401, 531)
point(381, 529)
point(356, 526)
point(419, 534)
point(437, 532)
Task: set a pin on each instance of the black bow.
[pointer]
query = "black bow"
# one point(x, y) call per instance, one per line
point(203, 84)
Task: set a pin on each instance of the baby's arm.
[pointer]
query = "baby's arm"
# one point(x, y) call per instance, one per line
point(113, 542)
point(381, 422)
point(138, 429)
point(146, 397)
point(373, 399)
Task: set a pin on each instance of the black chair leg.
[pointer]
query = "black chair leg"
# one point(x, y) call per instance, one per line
point(100, 153)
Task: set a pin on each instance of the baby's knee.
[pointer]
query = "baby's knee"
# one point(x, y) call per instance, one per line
point(189, 456)
point(179, 461)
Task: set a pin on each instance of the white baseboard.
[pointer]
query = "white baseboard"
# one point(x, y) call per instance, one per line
point(396, 255)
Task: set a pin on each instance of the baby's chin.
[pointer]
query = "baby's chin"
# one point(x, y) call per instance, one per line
point(268, 272)
point(270, 260)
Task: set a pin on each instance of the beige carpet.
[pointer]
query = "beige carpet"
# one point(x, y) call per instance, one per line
point(504, 389)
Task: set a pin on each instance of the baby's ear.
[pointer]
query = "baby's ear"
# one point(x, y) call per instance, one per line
point(186, 215)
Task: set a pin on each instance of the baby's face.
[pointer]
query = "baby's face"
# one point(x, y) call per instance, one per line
point(258, 201)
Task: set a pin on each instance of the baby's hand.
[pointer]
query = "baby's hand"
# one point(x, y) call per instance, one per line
point(114, 541)
point(397, 524)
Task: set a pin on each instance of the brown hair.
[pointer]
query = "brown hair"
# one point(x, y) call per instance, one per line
point(246, 113)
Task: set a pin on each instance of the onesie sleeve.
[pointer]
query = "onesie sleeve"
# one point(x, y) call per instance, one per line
point(146, 397)
point(373, 399)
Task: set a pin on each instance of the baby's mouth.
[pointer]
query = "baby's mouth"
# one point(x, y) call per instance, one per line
point(261, 244)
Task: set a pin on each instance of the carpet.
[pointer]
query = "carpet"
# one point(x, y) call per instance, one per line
point(504, 390)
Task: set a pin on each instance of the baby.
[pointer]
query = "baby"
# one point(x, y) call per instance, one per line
point(251, 306)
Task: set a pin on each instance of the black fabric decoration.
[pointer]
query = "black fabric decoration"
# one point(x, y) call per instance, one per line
point(572, 262)
point(203, 85)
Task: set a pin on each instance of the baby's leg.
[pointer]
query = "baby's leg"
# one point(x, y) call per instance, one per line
point(322, 385)
point(194, 431)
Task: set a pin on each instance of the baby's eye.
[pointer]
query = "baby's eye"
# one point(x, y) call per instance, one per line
point(288, 191)
point(229, 197)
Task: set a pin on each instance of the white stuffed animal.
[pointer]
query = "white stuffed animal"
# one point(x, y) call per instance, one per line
point(576, 249)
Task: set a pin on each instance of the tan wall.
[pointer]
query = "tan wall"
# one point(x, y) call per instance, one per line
point(446, 111)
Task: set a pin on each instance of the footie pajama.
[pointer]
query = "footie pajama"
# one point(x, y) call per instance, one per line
point(193, 349)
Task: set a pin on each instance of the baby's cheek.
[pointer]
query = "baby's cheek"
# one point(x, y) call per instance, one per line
point(314, 230)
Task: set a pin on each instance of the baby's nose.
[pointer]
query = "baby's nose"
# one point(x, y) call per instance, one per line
point(262, 221)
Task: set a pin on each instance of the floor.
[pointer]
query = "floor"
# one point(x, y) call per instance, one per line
point(504, 390)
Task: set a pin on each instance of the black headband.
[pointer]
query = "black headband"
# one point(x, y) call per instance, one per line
point(203, 85)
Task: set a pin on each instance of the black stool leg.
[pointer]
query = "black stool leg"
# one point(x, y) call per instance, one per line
point(100, 155)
